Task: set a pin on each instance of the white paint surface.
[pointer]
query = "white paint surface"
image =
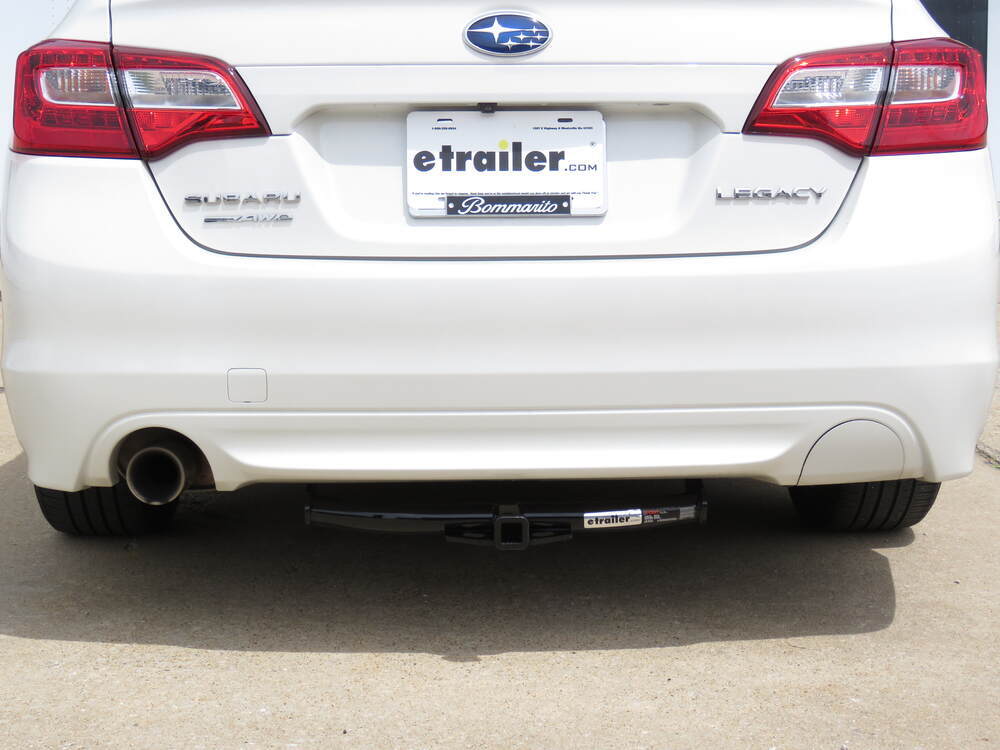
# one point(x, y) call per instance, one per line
point(669, 367)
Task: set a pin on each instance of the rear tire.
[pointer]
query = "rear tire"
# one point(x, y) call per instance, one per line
point(102, 511)
point(867, 506)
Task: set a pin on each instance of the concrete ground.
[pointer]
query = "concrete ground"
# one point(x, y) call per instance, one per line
point(244, 628)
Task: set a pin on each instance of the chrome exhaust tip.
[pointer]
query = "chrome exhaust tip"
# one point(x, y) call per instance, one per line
point(158, 474)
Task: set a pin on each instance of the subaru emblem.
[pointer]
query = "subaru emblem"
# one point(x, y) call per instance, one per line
point(507, 34)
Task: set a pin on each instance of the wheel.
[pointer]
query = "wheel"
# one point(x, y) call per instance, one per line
point(102, 511)
point(867, 506)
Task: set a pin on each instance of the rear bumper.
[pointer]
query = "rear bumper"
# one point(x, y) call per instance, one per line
point(684, 366)
point(245, 447)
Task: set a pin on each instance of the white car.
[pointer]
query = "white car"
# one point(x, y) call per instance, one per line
point(342, 242)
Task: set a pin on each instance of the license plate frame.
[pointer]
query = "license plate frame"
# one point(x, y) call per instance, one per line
point(506, 164)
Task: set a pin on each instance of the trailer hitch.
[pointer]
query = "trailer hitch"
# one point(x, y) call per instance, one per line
point(510, 527)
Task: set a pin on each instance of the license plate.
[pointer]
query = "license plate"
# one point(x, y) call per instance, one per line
point(506, 164)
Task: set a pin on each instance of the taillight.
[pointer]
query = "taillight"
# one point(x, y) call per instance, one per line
point(936, 101)
point(175, 99)
point(66, 102)
point(89, 99)
point(909, 97)
point(832, 96)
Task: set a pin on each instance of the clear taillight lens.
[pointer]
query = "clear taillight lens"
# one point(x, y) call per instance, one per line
point(914, 84)
point(93, 86)
point(859, 86)
point(67, 101)
point(178, 89)
point(910, 97)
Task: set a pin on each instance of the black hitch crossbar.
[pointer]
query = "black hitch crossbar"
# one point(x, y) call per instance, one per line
point(511, 527)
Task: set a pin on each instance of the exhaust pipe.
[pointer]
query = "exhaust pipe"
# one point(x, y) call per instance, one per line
point(158, 474)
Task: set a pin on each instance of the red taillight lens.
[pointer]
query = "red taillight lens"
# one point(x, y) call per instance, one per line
point(176, 99)
point(937, 100)
point(68, 102)
point(910, 97)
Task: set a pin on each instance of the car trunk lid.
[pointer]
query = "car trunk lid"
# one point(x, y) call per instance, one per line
point(653, 95)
